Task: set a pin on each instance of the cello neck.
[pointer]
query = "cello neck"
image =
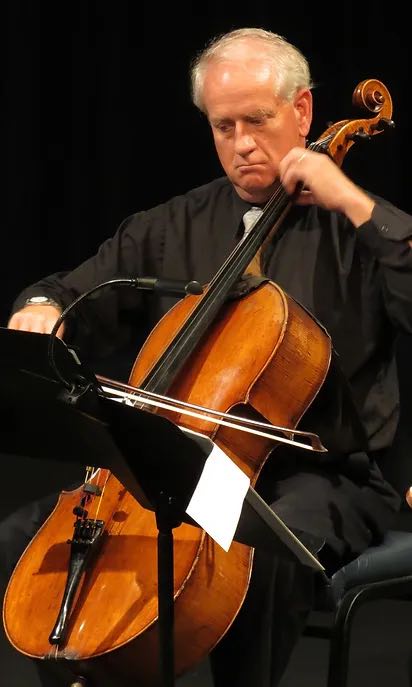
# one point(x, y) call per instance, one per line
point(206, 308)
point(202, 315)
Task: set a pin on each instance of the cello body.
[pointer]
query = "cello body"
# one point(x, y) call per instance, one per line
point(265, 356)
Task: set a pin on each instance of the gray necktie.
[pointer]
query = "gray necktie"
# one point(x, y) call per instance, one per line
point(250, 217)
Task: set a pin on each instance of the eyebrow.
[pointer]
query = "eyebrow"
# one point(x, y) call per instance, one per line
point(262, 112)
point(259, 113)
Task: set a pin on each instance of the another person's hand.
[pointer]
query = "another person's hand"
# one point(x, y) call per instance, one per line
point(36, 318)
point(408, 497)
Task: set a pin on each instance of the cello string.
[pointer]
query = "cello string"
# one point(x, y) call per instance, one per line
point(194, 325)
point(213, 297)
point(101, 495)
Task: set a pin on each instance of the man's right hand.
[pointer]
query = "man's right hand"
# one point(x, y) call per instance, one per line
point(36, 318)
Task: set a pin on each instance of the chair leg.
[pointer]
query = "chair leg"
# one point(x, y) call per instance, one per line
point(340, 641)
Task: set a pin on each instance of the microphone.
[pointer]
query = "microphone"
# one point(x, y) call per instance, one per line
point(168, 287)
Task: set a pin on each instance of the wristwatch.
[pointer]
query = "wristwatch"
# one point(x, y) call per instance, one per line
point(42, 300)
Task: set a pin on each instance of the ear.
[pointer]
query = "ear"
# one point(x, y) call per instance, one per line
point(302, 104)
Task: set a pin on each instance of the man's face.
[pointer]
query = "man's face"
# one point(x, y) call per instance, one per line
point(252, 128)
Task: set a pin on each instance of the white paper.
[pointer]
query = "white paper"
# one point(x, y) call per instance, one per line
point(217, 501)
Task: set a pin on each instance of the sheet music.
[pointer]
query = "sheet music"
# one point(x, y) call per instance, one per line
point(217, 501)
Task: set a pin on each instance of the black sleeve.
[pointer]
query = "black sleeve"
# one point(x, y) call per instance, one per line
point(386, 236)
point(110, 319)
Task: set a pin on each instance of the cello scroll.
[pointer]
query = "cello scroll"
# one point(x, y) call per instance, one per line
point(370, 95)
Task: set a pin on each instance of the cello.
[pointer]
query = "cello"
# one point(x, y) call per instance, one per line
point(113, 625)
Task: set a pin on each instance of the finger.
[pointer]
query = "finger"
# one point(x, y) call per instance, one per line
point(302, 157)
point(294, 173)
point(305, 198)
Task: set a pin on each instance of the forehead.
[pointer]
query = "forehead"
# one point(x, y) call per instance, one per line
point(233, 84)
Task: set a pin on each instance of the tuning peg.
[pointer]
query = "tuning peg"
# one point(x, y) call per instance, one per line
point(384, 124)
point(359, 135)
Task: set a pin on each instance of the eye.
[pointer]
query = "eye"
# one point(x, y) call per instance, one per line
point(223, 127)
point(256, 121)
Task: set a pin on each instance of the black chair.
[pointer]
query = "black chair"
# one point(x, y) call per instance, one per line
point(380, 572)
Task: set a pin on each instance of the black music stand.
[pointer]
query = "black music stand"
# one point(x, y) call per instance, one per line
point(83, 422)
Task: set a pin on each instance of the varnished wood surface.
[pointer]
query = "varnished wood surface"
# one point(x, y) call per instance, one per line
point(274, 367)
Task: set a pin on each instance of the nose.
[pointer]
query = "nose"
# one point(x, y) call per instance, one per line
point(244, 141)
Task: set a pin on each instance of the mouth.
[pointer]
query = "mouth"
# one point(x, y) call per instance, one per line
point(244, 169)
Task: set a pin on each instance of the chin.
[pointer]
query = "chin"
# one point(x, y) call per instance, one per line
point(253, 194)
point(254, 190)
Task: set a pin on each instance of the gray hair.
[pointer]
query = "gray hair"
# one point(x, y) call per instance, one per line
point(292, 69)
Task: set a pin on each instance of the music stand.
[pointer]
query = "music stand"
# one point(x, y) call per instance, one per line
point(163, 478)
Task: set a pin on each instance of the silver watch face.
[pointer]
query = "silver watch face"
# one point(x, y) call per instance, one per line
point(37, 299)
